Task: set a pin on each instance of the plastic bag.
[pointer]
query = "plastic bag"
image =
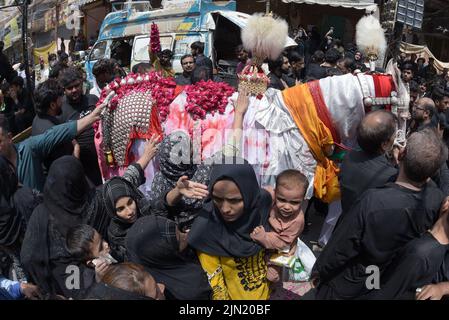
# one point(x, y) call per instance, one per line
point(302, 268)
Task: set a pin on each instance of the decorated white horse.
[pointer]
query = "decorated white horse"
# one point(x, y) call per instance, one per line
point(299, 128)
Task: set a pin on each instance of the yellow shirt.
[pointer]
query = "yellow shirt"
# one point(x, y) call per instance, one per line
point(236, 278)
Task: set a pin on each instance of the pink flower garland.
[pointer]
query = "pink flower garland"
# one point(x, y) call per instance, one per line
point(207, 97)
point(155, 42)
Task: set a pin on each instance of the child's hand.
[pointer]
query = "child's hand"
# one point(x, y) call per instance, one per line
point(100, 269)
point(258, 233)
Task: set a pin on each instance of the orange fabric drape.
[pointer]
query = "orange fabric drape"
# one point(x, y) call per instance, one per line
point(301, 105)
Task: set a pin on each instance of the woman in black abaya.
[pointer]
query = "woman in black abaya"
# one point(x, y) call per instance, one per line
point(68, 201)
point(16, 205)
point(156, 243)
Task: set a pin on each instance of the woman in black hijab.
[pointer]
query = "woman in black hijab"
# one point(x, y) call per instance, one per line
point(65, 205)
point(68, 201)
point(221, 233)
point(156, 243)
point(16, 205)
point(124, 205)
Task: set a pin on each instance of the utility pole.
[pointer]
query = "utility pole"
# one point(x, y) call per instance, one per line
point(267, 6)
point(56, 24)
point(25, 48)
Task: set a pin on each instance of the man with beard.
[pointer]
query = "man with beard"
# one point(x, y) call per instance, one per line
point(75, 106)
point(161, 62)
point(197, 50)
point(103, 72)
point(21, 104)
point(278, 75)
point(422, 112)
point(382, 221)
point(6, 70)
point(297, 63)
point(27, 157)
point(48, 99)
point(188, 65)
point(441, 117)
point(242, 56)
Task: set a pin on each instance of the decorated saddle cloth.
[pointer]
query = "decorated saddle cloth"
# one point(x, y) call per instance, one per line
point(131, 117)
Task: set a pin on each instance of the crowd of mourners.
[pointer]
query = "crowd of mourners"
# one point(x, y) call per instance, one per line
point(208, 231)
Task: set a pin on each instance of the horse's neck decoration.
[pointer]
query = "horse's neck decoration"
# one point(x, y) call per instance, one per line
point(133, 113)
point(370, 39)
point(265, 37)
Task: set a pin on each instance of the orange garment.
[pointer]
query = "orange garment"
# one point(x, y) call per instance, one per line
point(302, 107)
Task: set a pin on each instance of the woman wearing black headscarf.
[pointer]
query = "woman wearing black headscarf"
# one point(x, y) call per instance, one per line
point(174, 164)
point(65, 204)
point(68, 201)
point(221, 233)
point(156, 243)
point(16, 205)
point(124, 204)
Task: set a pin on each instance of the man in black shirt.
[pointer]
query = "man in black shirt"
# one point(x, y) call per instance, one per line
point(6, 70)
point(441, 118)
point(75, 105)
point(278, 75)
point(416, 265)
point(188, 65)
point(197, 49)
point(368, 168)
point(422, 112)
point(314, 69)
point(22, 104)
point(382, 222)
point(48, 99)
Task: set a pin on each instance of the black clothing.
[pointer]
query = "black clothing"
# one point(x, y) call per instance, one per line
point(180, 272)
point(6, 70)
point(315, 71)
point(183, 79)
point(413, 268)
point(202, 61)
point(361, 171)
point(88, 154)
point(65, 205)
point(42, 124)
point(68, 201)
point(113, 190)
point(212, 235)
point(66, 194)
point(379, 224)
point(12, 226)
point(71, 45)
point(276, 83)
point(23, 120)
point(101, 291)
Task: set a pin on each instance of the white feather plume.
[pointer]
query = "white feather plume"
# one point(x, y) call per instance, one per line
point(265, 36)
point(370, 36)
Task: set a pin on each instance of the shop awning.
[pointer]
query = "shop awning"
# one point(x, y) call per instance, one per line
point(368, 5)
point(423, 51)
point(238, 18)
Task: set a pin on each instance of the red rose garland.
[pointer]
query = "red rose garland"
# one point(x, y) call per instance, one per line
point(162, 90)
point(202, 98)
point(207, 97)
point(155, 43)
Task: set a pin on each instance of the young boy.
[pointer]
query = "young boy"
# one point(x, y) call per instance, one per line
point(286, 217)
